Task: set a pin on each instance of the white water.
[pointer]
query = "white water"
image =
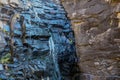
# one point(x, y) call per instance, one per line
point(57, 1)
point(54, 55)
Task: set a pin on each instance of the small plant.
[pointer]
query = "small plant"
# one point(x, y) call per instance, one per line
point(5, 58)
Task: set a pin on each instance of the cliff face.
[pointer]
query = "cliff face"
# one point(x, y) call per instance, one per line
point(36, 41)
point(96, 24)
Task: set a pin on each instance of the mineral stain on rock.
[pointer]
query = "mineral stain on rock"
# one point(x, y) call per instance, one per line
point(39, 37)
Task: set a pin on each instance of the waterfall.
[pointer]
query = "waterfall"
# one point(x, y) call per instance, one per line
point(57, 1)
point(54, 56)
point(39, 35)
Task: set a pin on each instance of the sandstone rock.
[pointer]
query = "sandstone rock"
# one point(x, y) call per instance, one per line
point(11, 1)
point(15, 1)
point(3, 1)
point(95, 24)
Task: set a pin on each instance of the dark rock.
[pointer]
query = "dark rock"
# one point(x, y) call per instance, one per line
point(3, 76)
point(40, 36)
point(37, 52)
point(39, 73)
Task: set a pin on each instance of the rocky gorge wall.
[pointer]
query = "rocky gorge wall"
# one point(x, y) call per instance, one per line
point(36, 41)
point(96, 24)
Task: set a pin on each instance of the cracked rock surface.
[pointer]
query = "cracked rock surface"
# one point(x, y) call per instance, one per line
point(41, 38)
point(96, 24)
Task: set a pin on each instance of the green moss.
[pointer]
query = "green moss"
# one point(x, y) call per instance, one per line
point(115, 0)
point(71, 41)
point(5, 58)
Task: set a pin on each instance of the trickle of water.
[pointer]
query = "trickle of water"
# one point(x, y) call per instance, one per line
point(57, 1)
point(54, 56)
point(48, 78)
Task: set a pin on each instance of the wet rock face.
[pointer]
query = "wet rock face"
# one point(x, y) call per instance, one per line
point(39, 35)
point(96, 26)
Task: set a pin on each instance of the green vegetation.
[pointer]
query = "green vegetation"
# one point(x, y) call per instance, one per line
point(116, 1)
point(5, 58)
